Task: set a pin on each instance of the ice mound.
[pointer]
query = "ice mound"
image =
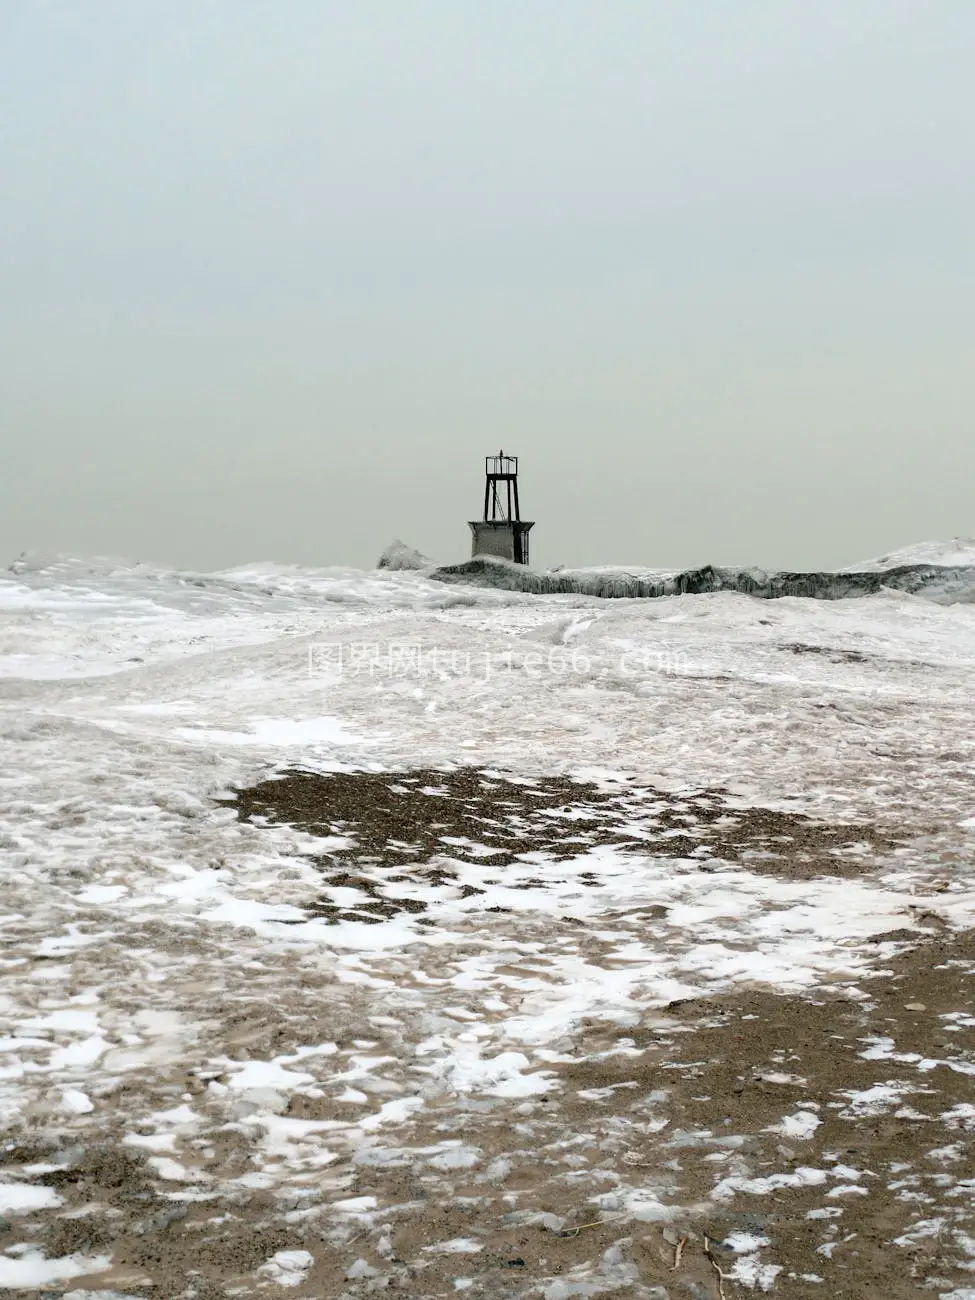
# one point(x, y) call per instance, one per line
point(400, 556)
point(955, 554)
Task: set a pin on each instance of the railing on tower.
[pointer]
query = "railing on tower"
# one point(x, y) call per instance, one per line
point(501, 469)
point(501, 466)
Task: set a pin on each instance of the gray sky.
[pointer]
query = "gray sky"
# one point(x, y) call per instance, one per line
point(276, 274)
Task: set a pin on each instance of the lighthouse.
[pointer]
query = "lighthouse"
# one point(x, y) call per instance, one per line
point(502, 532)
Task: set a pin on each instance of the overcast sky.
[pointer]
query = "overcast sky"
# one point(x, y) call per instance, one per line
point(275, 275)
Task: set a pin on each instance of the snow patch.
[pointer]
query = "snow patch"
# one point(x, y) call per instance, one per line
point(287, 1267)
point(22, 1198)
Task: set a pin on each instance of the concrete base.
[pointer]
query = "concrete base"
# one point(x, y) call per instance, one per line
point(507, 539)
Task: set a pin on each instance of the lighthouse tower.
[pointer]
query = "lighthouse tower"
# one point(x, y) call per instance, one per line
point(502, 531)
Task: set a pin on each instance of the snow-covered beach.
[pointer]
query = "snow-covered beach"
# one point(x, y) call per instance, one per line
point(654, 1005)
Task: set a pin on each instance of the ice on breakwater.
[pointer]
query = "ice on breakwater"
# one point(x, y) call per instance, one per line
point(943, 583)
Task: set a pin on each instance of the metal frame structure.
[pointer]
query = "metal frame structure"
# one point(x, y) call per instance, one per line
point(501, 469)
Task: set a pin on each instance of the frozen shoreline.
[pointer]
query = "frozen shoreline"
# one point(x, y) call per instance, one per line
point(943, 572)
point(945, 584)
